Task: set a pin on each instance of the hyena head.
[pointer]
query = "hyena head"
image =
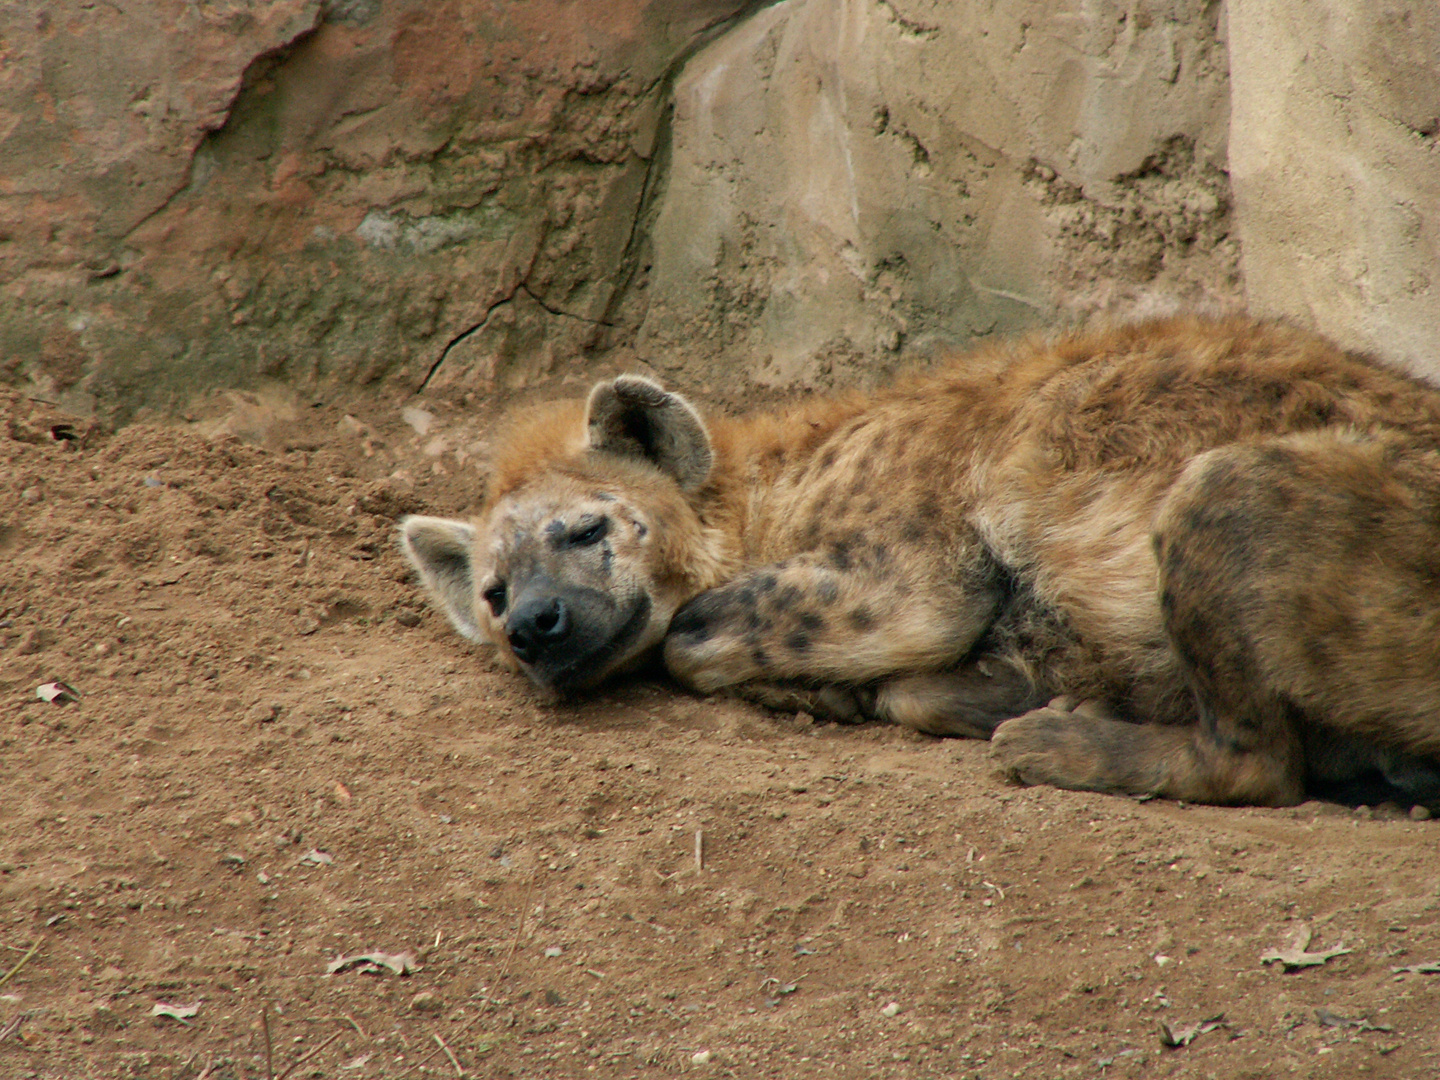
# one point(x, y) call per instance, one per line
point(589, 539)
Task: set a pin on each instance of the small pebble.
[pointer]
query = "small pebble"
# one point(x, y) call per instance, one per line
point(32, 641)
point(1419, 813)
point(426, 1002)
point(30, 495)
point(703, 1057)
point(893, 1009)
point(553, 951)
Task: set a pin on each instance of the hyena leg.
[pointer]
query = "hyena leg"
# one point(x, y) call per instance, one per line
point(806, 620)
point(969, 702)
point(1297, 586)
point(836, 703)
point(1086, 747)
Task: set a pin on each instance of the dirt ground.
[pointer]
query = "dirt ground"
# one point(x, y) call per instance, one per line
point(280, 758)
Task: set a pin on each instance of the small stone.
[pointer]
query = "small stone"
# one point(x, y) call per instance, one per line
point(31, 495)
point(553, 951)
point(33, 641)
point(893, 1009)
point(1419, 813)
point(407, 618)
point(104, 1018)
point(702, 1057)
point(262, 713)
point(426, 1002)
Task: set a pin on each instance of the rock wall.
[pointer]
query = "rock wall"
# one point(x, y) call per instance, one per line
point(851, 178)
point(1335, 161)
point(466, 195)
point(218, 192)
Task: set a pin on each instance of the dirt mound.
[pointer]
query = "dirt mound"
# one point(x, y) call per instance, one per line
point(279, 759)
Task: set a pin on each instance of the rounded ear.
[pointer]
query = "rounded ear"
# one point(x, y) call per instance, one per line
point(440, 550)
point(637, 418)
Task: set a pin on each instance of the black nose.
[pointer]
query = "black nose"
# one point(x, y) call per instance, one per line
point(536, 625)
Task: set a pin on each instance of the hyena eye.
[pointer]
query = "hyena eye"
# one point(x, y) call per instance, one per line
point(495, 597)
point(590, 534)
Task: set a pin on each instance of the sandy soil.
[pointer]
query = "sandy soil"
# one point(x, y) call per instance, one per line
point(281, 759)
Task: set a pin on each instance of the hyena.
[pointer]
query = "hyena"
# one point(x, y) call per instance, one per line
point(1190, 558)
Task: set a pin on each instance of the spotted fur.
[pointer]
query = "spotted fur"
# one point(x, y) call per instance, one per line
point(1192, 558)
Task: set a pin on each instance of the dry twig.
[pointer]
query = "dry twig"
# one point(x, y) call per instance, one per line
point(504, 970)
point(356, 1026)
point(269, 1052)
point(33, 950)
point(308, 1055)
point(458, 1070)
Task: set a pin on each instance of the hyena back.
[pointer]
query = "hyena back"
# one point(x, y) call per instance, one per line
point(1191, 558)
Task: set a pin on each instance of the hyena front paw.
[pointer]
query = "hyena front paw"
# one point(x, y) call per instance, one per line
point(704, 661)
point(1068, 745)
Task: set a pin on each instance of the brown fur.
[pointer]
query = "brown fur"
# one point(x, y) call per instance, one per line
point(1222, 535)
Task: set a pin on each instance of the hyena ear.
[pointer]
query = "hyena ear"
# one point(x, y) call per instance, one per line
point(634, 417)
point(440, 550)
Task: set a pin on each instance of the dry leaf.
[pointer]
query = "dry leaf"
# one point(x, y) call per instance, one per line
point(1186, 1035)
point(1432, 968)
point(176, 1012)
point(1295, 957)
point(358, 1062)
point(1326, 1018)
point(374, 963)
point(57, 693)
